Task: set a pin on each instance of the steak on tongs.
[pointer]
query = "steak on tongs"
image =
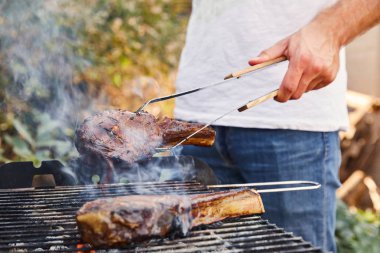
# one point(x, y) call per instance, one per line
point(119, 135)
point(122, 220)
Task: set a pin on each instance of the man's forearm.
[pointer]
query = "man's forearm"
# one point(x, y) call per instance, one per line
point(349, 18)
point(313, 51)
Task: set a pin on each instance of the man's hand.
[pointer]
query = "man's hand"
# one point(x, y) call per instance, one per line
point(313, 55)
point(313, 51)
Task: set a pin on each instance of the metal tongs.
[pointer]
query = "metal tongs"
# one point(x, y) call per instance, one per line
point(232, 76)
point(297, 186)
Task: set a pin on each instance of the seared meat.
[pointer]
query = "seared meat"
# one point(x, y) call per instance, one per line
point(212, 207)
point(173, 131)
point(122, 220)
point(130, 137)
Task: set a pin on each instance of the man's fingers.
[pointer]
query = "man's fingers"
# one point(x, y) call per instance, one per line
point(307, 84)
point(313, 84)
point(320, 85)
point(290, 84)
point(273, 52)
point(303, 86)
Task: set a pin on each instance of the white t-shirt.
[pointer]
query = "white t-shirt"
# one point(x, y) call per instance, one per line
point(222, 36)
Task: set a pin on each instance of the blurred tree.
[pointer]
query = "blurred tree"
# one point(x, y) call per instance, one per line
point(37, 66)
point(60, 60)
point(357, 231)
point(134, 47)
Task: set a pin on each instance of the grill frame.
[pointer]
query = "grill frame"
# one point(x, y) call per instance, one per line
point(44, 220)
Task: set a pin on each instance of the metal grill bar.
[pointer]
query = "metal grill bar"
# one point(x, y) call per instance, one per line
point(43, 220)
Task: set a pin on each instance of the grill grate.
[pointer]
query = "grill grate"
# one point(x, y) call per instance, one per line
point(43, 220)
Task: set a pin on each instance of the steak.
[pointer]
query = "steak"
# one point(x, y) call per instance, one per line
point(130, 137)
point(122, 220)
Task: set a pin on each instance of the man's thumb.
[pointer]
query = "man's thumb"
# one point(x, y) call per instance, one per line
point(268, 54)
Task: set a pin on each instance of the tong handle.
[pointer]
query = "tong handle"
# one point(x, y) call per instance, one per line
point(261, 99)
point(233, 75)
point(302, 186)
point(239, 73)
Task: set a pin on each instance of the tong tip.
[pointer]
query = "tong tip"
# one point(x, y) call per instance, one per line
point(243, 108)
point(138, 111)
point(163, 149)
point(228, 77)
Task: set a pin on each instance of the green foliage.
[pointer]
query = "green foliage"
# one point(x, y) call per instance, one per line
point(36, 69)
point(357, 232)
point(45, 140)
point(134, 47)
point(61, 59)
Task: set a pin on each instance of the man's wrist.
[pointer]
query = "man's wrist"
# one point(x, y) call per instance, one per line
point(329, 29)
point(346, 19)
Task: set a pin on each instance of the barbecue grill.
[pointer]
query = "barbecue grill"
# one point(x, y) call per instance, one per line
point(80, 172)
point(43, 220)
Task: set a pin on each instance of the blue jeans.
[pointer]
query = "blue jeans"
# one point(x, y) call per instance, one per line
point(243, 155)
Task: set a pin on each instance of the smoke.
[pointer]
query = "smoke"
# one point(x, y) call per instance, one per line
point(38, 69)
point(40, 92)
point(94, 170)
point(37, 53)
